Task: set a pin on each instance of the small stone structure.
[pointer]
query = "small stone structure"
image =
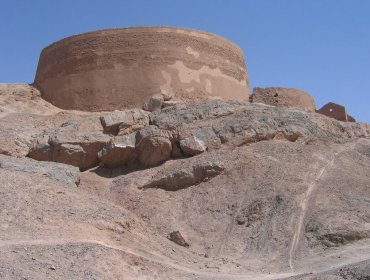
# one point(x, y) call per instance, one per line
point(287, 97)
point(121, 68)
point(336, 111)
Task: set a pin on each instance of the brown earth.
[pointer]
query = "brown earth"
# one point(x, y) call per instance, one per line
point(275, 193)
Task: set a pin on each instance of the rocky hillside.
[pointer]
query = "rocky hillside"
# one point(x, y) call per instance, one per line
point(207, 190)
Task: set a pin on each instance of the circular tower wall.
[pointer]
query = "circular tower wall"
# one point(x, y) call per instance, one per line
point(284, 97)
point(121, 68)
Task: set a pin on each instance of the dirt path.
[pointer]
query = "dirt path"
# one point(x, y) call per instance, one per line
point(151, 256)
point(301, 218)
point(305, 203)
point(189, 273)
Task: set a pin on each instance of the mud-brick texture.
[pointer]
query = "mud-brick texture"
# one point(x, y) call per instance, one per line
point(284, 97)
point(121, 68)
point(336, 111)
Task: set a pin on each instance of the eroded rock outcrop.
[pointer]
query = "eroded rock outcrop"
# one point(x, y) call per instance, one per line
point(23, 114)
point(290, 185)
point(147, 147)
point(78, 142)
point(60, 172)
point(134, 138)
point(238, 123)
point(186, 175)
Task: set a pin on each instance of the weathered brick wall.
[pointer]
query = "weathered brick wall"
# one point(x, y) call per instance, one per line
point(288, 97)
point(121, 68)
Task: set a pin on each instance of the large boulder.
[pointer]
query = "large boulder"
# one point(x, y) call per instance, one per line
point(154, 103)
point(72, 154)
point(192, 146)
point(153, 131)
point(154, 150)
point(153, 145)
point(40, 149)
point(119, 151)
point(124, 122)
point(78, 142)
point(148, 147)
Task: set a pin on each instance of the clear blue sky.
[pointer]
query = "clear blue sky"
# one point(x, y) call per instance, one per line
point(320, 46)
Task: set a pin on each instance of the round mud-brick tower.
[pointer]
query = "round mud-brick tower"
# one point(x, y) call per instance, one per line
point(121, 68)
point(284, 97)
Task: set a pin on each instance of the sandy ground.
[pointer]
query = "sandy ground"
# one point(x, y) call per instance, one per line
point(279, 210)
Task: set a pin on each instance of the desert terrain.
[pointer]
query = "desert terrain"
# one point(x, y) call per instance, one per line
point(206, 190)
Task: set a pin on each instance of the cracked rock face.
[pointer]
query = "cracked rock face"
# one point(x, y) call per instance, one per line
point(135, 137)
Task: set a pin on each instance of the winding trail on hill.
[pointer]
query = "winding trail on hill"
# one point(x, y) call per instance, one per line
point(306, 201)
point(151, 256)
point(154, 257)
